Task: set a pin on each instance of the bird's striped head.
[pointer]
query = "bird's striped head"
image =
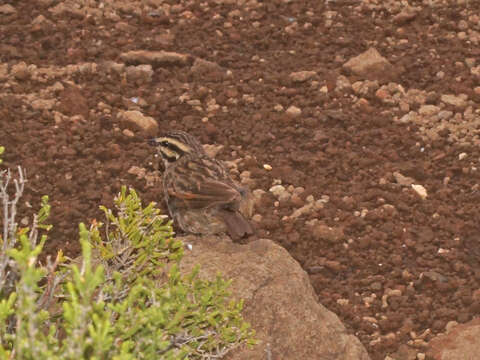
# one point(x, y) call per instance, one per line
point(175, 144)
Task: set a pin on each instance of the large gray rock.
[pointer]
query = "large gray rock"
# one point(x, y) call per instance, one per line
point(280, 303)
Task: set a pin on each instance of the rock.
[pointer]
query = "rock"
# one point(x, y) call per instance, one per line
point(304, 210)
point(342, 83)
point(125, 27)
point(461, 343)
point(301, 76)
point(140, 122)
point(279, 301)
point(20, 71)
point(7, 9)
point(140, 74)
point(280, 192)
point(39, 20)
point(403, 180)
point(327, 233)
point(212, 150)
point(201, 67)
point(293, 111)
point(459, 101)
point(112, 66)
point(420, 190)
point(43, 104)
point(371, 65)
point(428, 110)
point(67, 9)
point(155, 58)
point(405, 16)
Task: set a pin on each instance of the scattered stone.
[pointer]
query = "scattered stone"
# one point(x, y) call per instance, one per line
point(128, 133)
point(420, 190)
point(140, 122)
point(403, 180)
point(301, 76)
point(342, 83)
point(428, 110)
point(462, 156)
point(371, 65)
point(280, 192)
point(117, 68)
point(212, 150)
point(459, 101)
point(304, 210)
point(137, 171)
point(140, 74)
point(405, 16)
point(43, 104)
point(20, 71)
point(279, 108)
point(257, 218)
point(332, 235)
point(294, 111)
point(155, 58)
point(267, 167)
point(433, 276)
point(67, 9)
point(125, 27)
point(460, 343)
point(202, 67)
point(7, 9)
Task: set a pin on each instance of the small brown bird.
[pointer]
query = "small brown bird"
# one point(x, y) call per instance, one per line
point(200, 195)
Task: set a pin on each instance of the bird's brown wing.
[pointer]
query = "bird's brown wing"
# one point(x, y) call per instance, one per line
point(200, 183)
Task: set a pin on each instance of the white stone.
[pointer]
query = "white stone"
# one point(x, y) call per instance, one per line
point(420, 190)
point(294, 111)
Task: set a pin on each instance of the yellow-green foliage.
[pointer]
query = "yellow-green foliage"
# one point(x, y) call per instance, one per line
point(125, 300)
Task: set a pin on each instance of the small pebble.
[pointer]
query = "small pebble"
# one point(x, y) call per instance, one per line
point(420, 190)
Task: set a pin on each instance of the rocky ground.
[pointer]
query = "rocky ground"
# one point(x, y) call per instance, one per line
point(355, 123)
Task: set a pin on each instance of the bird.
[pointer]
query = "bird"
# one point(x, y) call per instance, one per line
point(201, 196)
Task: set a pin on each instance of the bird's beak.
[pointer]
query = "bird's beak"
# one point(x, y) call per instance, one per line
point(152, 142)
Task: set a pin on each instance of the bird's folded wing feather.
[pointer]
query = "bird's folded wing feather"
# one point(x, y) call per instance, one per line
point(209, 192)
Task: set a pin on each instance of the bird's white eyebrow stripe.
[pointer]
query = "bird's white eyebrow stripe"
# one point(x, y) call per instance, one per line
point(178, 144)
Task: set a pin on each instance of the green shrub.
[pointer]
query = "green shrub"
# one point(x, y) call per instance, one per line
point(123, 299)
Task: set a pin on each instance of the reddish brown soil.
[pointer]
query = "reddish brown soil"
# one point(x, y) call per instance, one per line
point(331, 149)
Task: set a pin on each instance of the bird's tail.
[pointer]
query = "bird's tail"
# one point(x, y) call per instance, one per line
point(237, 226)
